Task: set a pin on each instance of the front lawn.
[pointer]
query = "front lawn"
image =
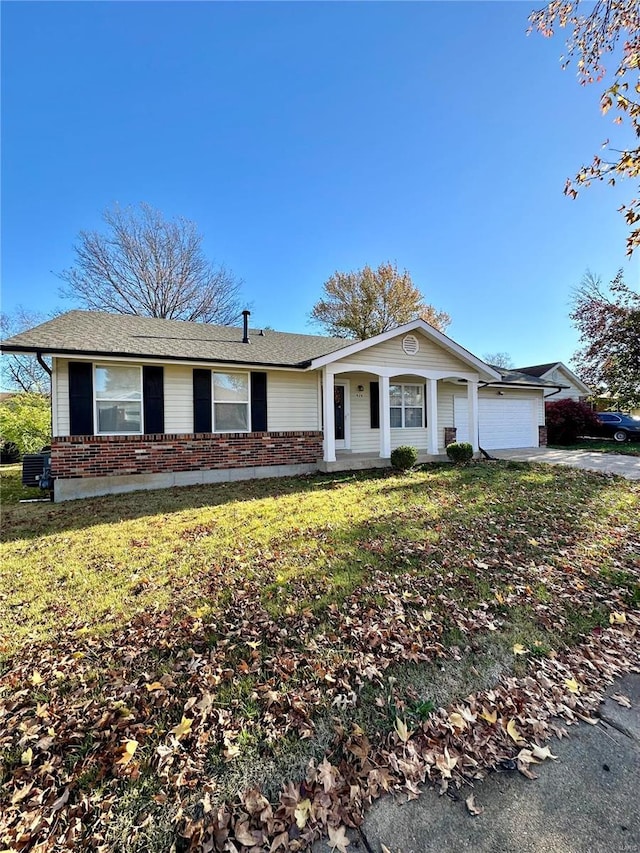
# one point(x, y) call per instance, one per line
point(257, 661)
point(602, 445)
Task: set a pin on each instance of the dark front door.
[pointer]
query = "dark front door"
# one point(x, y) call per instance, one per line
point(338, 396)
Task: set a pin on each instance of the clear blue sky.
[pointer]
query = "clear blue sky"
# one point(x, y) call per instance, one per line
point(305, 138)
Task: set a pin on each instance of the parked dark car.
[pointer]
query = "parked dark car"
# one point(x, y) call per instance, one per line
point(618, 426)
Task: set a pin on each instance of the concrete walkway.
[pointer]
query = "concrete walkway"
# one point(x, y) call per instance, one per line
point(585, 802)
point(605, 463)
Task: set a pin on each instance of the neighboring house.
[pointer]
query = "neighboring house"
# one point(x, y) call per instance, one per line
point(559, 374)
point(142, 403)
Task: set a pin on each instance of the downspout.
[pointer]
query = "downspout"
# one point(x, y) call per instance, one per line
point(43, 364)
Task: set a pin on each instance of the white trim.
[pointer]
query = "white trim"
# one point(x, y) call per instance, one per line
point(444, 341)
point(243, 402)
point(406, 370)
point(54, 398)
point(96, 431)
point(385, 418)
point(432, 416)
point(345, 443)
point(474, 422)
point(559, 365)
point(328, 431)
point(237, 366)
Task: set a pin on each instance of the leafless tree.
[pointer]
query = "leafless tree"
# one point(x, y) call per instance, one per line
point(148, 265)
point(498, 359)
point(23, 372)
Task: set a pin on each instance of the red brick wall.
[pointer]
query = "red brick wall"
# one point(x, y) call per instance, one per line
point(104, 455)
point(449, 435)
point(542, 436)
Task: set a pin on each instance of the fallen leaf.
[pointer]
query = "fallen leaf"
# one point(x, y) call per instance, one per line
point(338, 839)
point(514, 734)
point(27, 757)
point(472, 808)
point(543, 752)
point(183, 728)
point(621, 699)
point(489, 716)
point(617, 618)
point(401, 729)
point(519, 649)
point(302, 812)
point(457, 721)
point(572, 685)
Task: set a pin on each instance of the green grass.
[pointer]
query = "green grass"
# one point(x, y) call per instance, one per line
point(602, 445)
point(265, 586)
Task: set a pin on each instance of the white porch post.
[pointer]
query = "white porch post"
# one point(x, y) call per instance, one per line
point(329, 443)
point(385, 418)
point(432, 416)
point(472, 402)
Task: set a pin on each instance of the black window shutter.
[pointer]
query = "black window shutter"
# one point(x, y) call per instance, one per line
point(374, 401)
point(258, 402)
point(153, 397)
point(201, 400)
point(81, 398)
point(424, 391)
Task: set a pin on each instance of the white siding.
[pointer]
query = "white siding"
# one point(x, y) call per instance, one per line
point(61, 379)
point(178, 398)
point(431, 356)
point(292, 401)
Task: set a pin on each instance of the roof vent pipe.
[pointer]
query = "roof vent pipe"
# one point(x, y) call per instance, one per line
point(245, 326)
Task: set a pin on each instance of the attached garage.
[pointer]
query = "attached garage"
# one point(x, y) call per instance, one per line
point(504, 421)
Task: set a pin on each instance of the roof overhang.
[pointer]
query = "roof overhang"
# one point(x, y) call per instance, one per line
point(415, 325)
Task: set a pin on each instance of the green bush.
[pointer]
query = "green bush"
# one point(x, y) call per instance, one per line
point(9, 452)
point(25, 420)
point(403, 458)
point(460, 452)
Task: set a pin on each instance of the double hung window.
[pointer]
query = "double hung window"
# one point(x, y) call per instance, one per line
point(118, 399)
point(231, 402)
point(406, 406)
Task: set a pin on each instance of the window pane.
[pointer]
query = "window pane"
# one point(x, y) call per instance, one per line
point(118, 383)
point(119, 417)
point(231, 417)
point(231, 387)
point(396, 417)
point(413, 417)
point(395, 395)
point(412, 395)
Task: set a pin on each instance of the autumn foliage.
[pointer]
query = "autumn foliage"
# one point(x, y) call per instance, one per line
point(603, 38)
point(568, 419)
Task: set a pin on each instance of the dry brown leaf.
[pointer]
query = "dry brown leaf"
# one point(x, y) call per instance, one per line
point(472, 808)
point(622, 700)
point(514, 734)
point(338, 839)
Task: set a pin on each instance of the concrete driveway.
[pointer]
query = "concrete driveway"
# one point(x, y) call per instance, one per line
point(605, 463)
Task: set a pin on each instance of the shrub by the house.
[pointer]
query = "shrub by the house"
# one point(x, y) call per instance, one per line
point(567, 419)
point(403, 458)
point(460, 452)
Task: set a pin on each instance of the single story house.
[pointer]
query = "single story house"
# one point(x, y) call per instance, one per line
point(557, 372)
point(140, 403)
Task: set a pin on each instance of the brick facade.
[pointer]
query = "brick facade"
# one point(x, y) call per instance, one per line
point(542, 436)
point(449, 435)
point(108, 455)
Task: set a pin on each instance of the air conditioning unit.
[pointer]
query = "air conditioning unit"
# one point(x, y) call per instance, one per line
point(36, 469)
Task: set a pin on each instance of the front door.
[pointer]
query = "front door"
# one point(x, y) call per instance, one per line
point(338, 407)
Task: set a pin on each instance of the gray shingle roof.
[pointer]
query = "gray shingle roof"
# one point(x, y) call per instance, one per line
point(97, 333)
point(537, 369)
point(517, 377)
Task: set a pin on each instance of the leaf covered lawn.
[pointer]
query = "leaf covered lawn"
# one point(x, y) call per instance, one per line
point(247, 666)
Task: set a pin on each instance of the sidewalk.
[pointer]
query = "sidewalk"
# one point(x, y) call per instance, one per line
point(604, 463)
point(585, 802)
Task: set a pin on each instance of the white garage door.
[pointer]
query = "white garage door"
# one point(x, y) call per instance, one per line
point(504, 422)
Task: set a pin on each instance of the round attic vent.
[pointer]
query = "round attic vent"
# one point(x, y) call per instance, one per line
point(410, 344)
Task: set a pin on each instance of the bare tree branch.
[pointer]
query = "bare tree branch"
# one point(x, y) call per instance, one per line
point(147, 265)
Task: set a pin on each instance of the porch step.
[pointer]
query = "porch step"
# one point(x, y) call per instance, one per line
point(363, 461)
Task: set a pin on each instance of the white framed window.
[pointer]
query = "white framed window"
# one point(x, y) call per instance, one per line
point(231, 402)
point(118, 399)
point(406, 406)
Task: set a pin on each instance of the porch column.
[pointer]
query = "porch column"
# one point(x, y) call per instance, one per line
point(432, 416)
point(385, 418)
point(472, 402)
point(328, 411)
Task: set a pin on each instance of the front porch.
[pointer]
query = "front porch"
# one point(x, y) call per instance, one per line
point(347, 461)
